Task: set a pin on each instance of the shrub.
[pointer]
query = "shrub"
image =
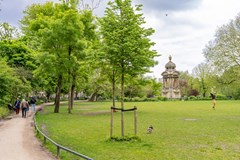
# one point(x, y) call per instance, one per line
point(3, 112)
point(125, 139)
point(136, 99)
point(192, 98)
point(221, 97)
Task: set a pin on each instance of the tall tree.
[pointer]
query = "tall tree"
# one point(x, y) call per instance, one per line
point(228, 82)
point(202, 72)
point(223, 54)
point(19, 57)
point(11, 85)
point(186, 83)
point(126, 42)
point(62, 32)
point(224, 51)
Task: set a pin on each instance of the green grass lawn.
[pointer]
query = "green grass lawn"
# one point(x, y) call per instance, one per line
point(187, 130)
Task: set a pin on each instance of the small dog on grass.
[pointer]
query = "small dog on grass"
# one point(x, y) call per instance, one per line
point(150, 129)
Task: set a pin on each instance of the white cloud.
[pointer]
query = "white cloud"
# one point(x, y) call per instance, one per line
point(184, 34)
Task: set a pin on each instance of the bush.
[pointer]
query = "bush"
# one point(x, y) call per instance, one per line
point(125, 139)
point(203, 98)
point(162, 98)
point(192, 98)
point(3, 112)
point(136, 99)
point(221, 97)
point(145, 99)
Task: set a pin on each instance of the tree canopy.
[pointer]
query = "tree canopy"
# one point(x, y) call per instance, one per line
point(224, 51)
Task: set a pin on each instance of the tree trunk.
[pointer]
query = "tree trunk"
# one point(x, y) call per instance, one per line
point(93, 97)
point(113, 90)
point(58, 94)
point(69, 99)
point(203, 87)
point(76, 95)
point(122, 103)
point(48, 94)
point(72, 91)
point(69, 81)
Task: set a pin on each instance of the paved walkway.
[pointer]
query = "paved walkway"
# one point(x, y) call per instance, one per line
point(18, 141)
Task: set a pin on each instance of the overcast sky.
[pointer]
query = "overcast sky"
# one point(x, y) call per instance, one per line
point(183, 27)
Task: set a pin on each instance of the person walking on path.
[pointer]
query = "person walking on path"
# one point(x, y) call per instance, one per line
point(213, 99)
point(17, 105)
point(33, 103)
point(24, 105)
point(27, 109)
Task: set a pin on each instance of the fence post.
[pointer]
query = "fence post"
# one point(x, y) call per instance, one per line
point(45, 139)
point(135, 120)
point(58, 151)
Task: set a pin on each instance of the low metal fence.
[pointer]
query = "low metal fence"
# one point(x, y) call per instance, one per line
point(59, 147)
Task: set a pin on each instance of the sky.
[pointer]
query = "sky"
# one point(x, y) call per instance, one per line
point(182, 27)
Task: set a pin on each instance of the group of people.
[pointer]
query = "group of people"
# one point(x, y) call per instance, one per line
point(24, 106)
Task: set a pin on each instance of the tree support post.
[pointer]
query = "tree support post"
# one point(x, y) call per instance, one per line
point(135, 120)
point(111, 123)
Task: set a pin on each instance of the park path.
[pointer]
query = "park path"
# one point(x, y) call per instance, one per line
point(18, 141)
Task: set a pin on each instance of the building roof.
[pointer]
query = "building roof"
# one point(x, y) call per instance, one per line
point(170, 69)
point(170, 64)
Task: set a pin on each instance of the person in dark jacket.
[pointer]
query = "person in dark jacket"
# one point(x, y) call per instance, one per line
point(17, 105)
point(33, 103)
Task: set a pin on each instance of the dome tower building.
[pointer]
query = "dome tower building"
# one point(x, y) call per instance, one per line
point(171, 87)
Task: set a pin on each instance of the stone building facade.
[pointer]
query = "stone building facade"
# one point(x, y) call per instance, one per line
point(171, 88)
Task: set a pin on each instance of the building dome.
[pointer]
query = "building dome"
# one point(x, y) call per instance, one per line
point(170, 64)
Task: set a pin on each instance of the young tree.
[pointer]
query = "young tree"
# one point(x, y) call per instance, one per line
point(186, 83)
point(126, 42)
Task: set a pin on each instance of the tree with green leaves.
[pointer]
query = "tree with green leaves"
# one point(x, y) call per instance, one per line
point(203, 72)
point(185, 83)
point(6, 81)
point(228, 82)
point(20, 58)
point(142, 86)
point(223, 52)
point(43, 23)
point(126, 43)
point(11, 85)
point(223, 55)
point(8, 32)
point(63, 34)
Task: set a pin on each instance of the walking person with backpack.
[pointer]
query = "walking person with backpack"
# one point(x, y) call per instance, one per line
point(24, 105)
